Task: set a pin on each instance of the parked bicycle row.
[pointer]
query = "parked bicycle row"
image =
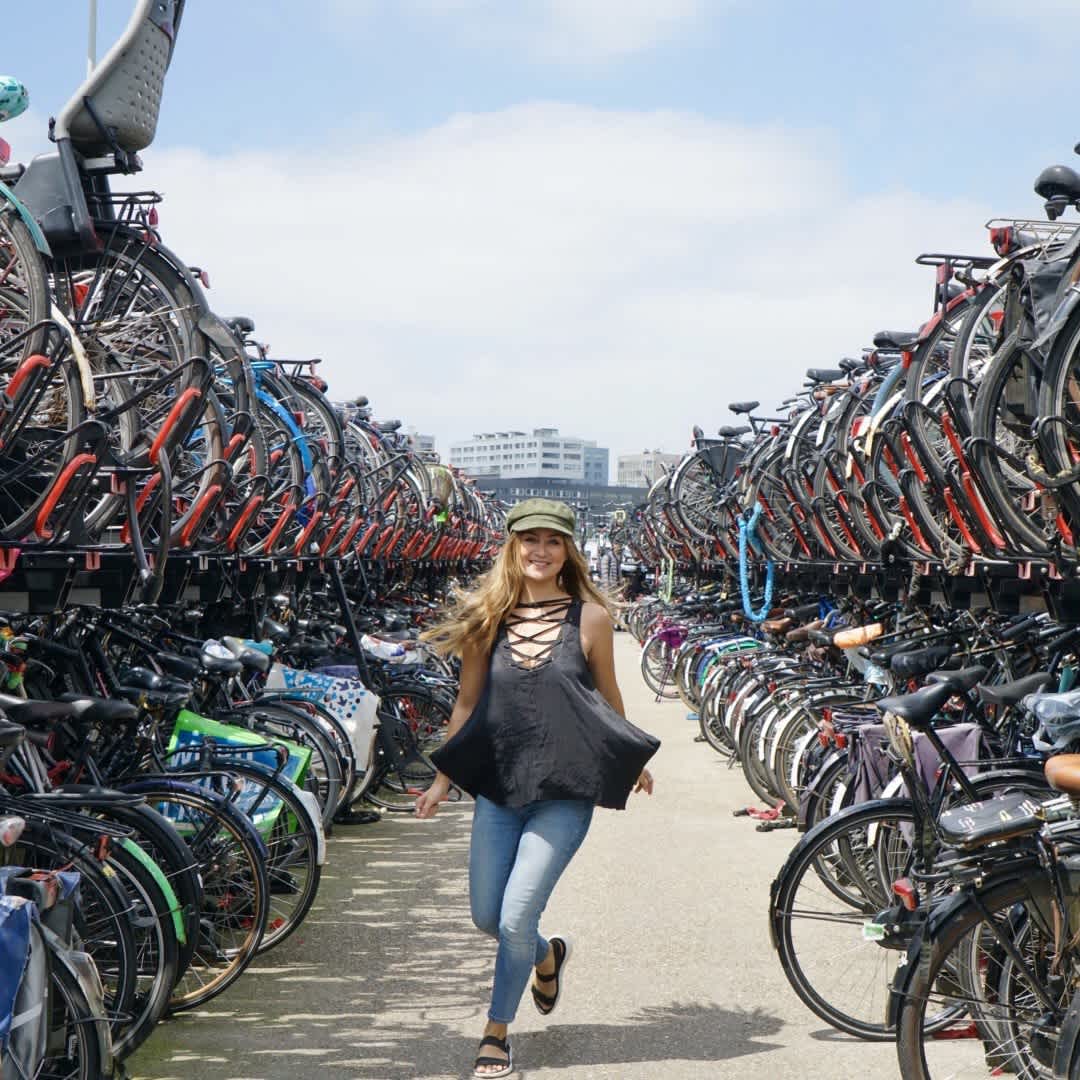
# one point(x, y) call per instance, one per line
point(955, 443)
point(929, 758)
point(170, 794)
point(135, 419)
point(170, 769)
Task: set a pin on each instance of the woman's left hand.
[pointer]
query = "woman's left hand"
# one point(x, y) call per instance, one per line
point(644, 782)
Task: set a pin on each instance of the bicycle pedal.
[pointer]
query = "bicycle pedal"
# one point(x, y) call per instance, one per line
point(744, 812)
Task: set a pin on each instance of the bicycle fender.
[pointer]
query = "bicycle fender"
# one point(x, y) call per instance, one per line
point(162, 882)
point(28, 219)
point(937, 919)
point(241, 820)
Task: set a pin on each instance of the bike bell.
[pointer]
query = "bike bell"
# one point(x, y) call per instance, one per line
point(13, 98)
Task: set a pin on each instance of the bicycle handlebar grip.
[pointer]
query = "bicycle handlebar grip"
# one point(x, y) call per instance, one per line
point(1011, 633)
point(1063, 639)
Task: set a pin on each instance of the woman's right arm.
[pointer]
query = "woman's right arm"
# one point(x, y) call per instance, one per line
point(470, 687)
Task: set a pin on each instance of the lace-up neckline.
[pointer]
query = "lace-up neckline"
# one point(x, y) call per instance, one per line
point(533, 650)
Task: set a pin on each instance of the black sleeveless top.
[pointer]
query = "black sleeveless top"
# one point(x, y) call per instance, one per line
point(541, 730)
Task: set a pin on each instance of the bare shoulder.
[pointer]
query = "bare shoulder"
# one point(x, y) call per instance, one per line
point(595, 616)
point(596, 629)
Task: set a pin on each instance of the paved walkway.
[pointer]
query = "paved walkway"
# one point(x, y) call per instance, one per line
point(673, 974)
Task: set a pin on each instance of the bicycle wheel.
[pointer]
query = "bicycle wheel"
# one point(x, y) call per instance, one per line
point(157, 950)
point(400, 770)
point(426, 714)
point(236, 901)
point(283, 720)
point(102, 918)
point(838, 877)
point(36, 446)
point(711, 722)
point(290, 828)
point(658, 668)
point(24, 290)
point(72, 1024)
point(1005, 408)
point(1002, 1022)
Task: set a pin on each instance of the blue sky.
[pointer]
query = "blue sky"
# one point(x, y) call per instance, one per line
point(608, 215)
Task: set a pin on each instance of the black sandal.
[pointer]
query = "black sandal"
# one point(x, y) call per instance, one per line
point(545, 1003)
point(507, 1066)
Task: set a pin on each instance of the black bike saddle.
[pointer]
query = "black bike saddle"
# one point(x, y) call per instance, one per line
point(1012, 693)
point(743, 406)
point(896, 340)
point(252, 658)
point(920, 708)
point(959, 681)
point(1058, 180)
point(824, 375)
point(104, 711)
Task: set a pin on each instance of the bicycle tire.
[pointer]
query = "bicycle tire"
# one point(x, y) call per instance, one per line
point(231, 925)
point(24, 288)
point(993, 1041)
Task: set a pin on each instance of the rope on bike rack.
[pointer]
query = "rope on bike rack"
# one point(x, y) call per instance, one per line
point(748, 535)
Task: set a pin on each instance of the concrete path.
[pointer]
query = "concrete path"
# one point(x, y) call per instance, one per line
point(673, 975)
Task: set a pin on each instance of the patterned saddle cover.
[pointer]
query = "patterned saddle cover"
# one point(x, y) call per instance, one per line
point(977, 824)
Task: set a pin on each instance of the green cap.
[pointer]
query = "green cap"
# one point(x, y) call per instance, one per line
point(540, 514)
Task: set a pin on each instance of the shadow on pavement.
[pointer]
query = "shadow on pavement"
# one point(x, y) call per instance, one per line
point(387, 973)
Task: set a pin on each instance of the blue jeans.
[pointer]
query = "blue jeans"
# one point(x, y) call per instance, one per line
point(516, 856)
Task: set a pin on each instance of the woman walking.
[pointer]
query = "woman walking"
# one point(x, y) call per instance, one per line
point(539, 738)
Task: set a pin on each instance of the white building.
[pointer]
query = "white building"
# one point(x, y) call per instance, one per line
point(419, 441)
point(541, 453)
point(641, 470)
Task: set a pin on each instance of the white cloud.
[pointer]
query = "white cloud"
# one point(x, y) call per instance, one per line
point(561, 30)
point(619, 275)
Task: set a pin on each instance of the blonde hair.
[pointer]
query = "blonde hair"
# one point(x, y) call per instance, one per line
point(475, 617)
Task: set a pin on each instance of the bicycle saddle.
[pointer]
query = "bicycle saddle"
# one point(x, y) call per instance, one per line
point(727, 432)
point(140, 684)
point(1012, 693)
point(910, 665)
point(241, 324)
point(959, 681)
point(387, 425)
point(898, 340)
point(823, 375)
point(309, 650)
point(29, 713)
point(850, 365)
point(743, 406)
point(1058, 181)
point(275, 631)
point(96, 710)
point(919, 708)
point(775, 626)
point(251, 658)
point(216, 659)
point(1063, 773)
point(182, 667)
